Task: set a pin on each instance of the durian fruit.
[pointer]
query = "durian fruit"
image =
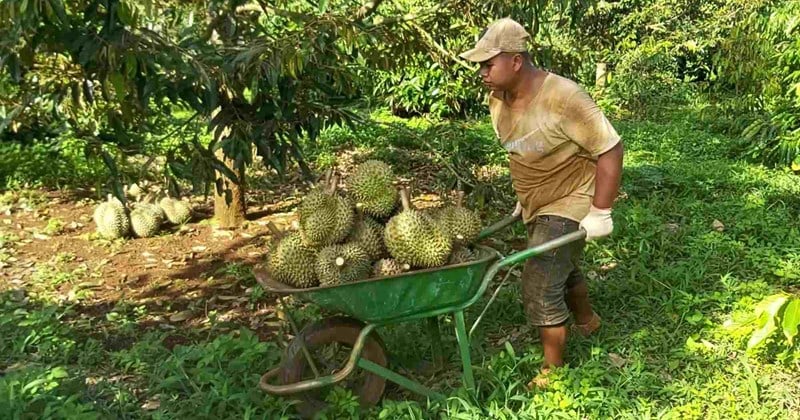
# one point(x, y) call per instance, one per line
point(133, 191)
point(146, 220)
point(290, 261)
point(325, 218)
point(342, 263)
point(388, 267)
point(371, 187)
point(177, 212)
point(461, 224)
point(111, 219)
point(461, 255)
point(369, 234)
point(415, 239)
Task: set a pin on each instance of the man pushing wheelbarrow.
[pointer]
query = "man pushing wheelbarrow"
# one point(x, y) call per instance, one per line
point(566, 164)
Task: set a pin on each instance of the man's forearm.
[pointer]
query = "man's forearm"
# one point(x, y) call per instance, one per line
point(609, 174)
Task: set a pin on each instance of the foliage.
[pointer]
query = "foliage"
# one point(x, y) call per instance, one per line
point(774, 320)
point(774, 136)
point(663, 284)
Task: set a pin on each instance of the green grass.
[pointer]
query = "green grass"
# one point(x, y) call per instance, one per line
point(663, 284)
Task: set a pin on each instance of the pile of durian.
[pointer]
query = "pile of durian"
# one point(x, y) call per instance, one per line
point(369, 231)
point(143, 218)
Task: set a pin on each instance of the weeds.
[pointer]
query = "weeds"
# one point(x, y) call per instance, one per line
point(699, 240)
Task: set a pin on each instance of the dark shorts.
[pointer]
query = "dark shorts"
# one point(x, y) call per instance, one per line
point(546, 278)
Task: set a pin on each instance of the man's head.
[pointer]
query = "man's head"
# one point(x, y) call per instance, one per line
point(501, 52)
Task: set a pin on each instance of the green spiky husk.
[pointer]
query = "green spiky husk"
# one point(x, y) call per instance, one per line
point(369, 234)
point(415, 239)
point(387, 267)
point(292, 262)
point(461, 255)
point(176, 211)
point(462, 225)
point(371, 187)
point(111, 219)
point(325, 218)
point(146, 220)
point(357, 264)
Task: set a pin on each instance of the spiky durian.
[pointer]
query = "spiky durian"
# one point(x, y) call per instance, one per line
point(111, 219)
point(325, 218)
point(461, 255)
point(290, 261)
point(342, 263)
point(369, 234)
point(176, 211)
point(371, 187)
point(414, 238)
point(388, 267)
point(146, 220)
point(461, 224)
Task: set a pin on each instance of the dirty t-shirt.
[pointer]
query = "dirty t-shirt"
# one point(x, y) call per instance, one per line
point(553, 147)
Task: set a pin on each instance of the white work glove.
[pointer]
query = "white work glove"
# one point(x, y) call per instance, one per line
point(517, 210)
point(597, 223)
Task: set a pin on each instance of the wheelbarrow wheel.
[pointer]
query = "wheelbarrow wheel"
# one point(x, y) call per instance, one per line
point(319, 337)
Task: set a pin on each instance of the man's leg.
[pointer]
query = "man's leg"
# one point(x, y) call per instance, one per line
point(544, 285)
point(554, 340)
point(578, 303)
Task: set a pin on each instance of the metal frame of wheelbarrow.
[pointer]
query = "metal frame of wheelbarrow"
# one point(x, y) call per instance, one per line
point(462, 336)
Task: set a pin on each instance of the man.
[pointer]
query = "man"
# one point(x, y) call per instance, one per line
point(566, 164)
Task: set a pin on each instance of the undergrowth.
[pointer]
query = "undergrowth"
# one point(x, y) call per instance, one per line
point(699, 240)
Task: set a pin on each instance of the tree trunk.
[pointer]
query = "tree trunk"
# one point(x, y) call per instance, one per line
point(229, 203)
point(600, 74)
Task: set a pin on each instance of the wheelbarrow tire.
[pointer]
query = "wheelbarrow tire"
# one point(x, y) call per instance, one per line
point(342, 330)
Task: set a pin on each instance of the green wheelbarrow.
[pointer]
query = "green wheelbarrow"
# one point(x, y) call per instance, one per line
point(310, 364)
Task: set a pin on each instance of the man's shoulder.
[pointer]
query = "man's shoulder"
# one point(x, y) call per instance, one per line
point(560, 87)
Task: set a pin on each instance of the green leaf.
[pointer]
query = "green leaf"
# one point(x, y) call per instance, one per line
point(58, 372)
point(767, 312)
point(791, 320)
point(118, 82)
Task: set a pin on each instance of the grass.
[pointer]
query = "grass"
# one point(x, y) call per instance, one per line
point(664, 284)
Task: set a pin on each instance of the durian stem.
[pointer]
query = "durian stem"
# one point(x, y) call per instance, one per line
point(339, 261)
point(460, 199)
point(404, 198)
point(334, 184)
point(272, 228)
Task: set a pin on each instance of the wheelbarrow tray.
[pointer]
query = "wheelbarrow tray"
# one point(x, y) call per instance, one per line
point(381, 300)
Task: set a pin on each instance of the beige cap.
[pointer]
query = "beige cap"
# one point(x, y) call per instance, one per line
point(503, 35)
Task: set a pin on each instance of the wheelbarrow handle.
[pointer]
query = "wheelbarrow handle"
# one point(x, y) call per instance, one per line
point(498, 226)
point(541, 249)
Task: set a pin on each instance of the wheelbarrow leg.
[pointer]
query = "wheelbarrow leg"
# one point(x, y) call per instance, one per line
point(463, 345)
point(436, 343)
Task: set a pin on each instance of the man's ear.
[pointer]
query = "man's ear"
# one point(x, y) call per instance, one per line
point(518, 61)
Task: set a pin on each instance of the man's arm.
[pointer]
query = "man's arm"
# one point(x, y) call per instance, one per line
point(598, 222)
point(608, 176)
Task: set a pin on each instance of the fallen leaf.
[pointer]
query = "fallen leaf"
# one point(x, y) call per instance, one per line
point(40, 236)
point(199, 248)
point(617, 360)
point(150, 405)
point(181, 316)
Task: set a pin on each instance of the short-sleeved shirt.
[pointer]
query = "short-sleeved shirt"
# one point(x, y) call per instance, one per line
point(553, 147)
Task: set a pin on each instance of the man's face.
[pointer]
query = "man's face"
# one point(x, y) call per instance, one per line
point(500, 72)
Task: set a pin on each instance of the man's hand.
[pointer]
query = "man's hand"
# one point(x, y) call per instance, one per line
point(517, 210)
point(597, 223)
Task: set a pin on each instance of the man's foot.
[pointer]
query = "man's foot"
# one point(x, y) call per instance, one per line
point(588, 328)
point(541, 380)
